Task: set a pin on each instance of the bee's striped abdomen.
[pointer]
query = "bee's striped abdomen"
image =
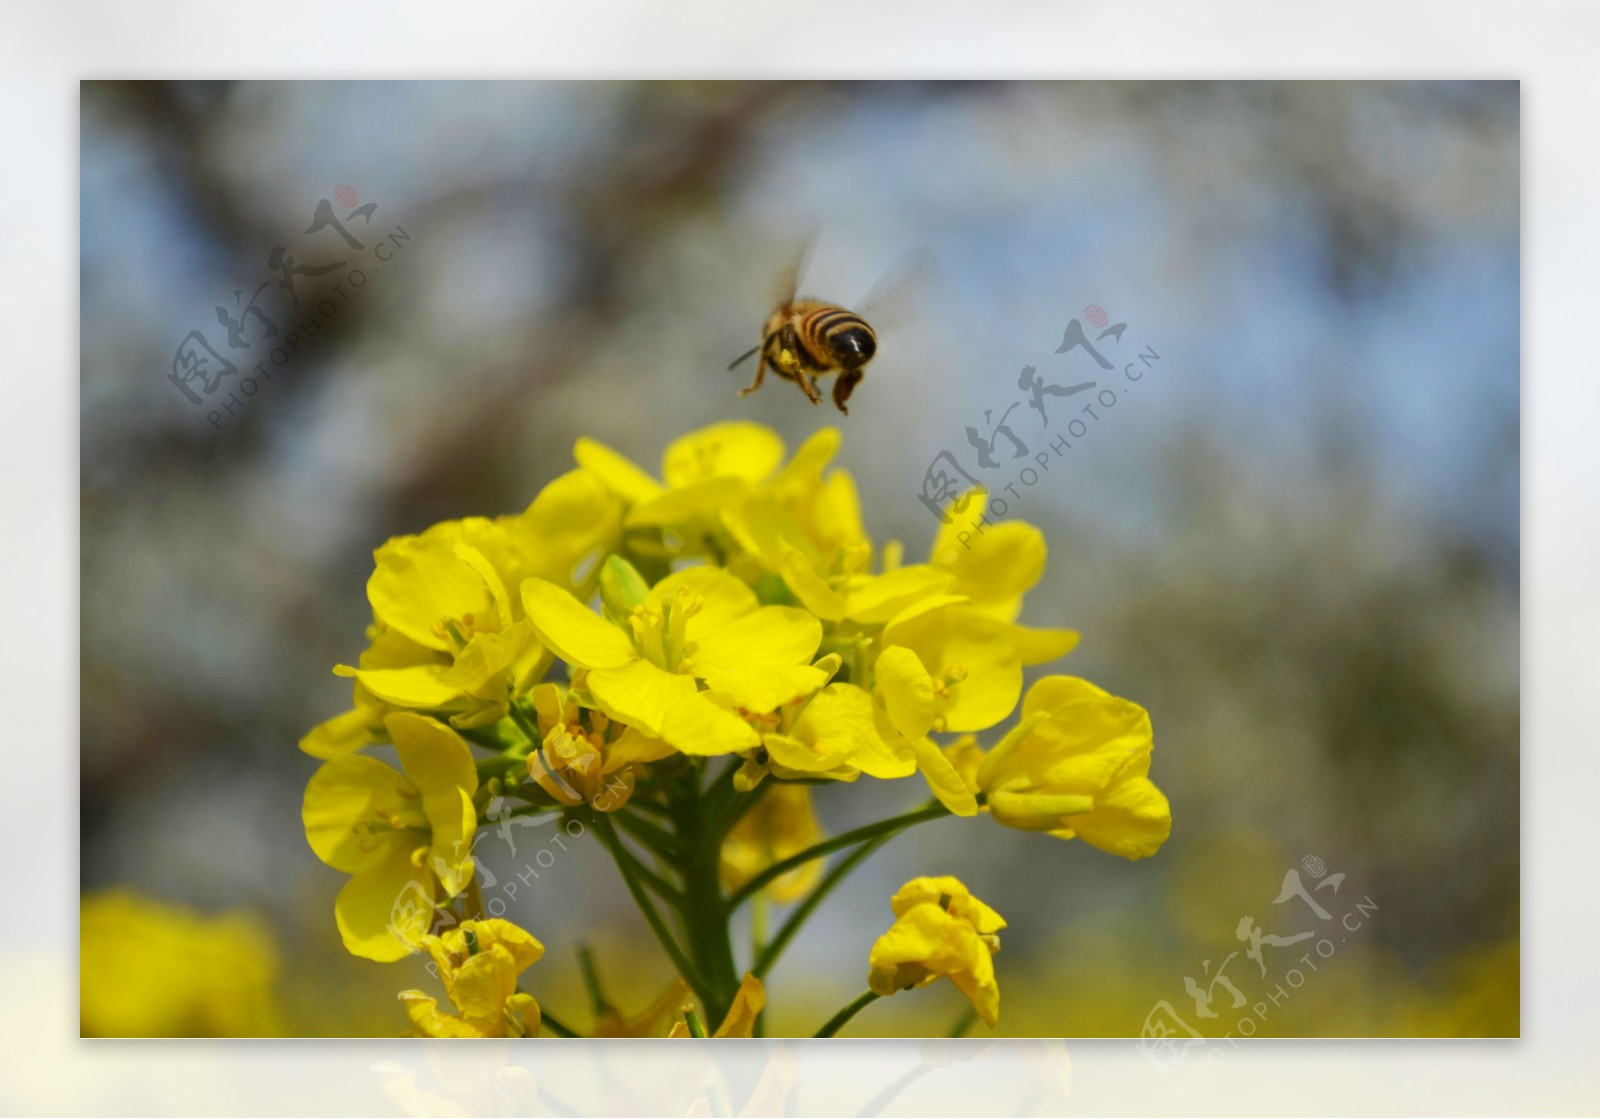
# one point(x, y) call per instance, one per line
point(836, 338)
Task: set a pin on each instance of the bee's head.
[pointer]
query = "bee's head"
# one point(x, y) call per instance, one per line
point(854, 347)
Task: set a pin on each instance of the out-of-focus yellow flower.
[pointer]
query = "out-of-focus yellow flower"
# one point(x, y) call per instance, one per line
point(149, 969)
point(349, 731)
point(697, 623)
point(404, 838)
point(479, 963)
point(781, 824)
point(992, 569)
point(1078, 765)
point(806, 529)
point(701, 474)
point(649, 1022)
point(941, 930)
point(586, 758)
point(974, 662)
point(748, 1003)
point(564, 533)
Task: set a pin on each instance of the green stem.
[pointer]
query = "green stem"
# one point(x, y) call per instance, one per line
point(659, 810)
point(555, 1025)
point(770, 955)
point(705, 914)
point(759, 911)
point(657, 838)
point(625, 865)
point(536, 810)
point(849, 1012)
point(591, 981)
point(528, 729)
point(664, 889)
point(736, 806)
point(860, 835)
point(963, 1023)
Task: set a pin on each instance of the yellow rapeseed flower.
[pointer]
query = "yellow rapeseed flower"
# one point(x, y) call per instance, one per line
point(1078, 765)
point(479, 963)
point(940, 930)
point(740, 1021)
point(405, 838)
point(586, 758)
point(695, 624)
point(150, 969)
point(781, 824)
point(701, 474)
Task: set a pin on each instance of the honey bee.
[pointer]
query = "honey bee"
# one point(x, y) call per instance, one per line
point(805, 339)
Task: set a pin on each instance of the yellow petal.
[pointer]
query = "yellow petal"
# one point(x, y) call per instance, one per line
point(428, 1021)
point(736, 449)
point(484, 982)
point(809, 587)
point(763, 688)
point(994, 568)
point(702, 727)
point(348, 791)
point(702, 499)
point(640, 694)
point(423, 686)
point(1041, 646)
point(906, 689)
point(748, 1002)
point(633, 747)
point(618, 473)
point(878, 598)
point(782, 823)
point(486, 657)
point(972, 654)
point(419, 581)
point(436, 758)
point(344, 734)
point(575, 633)
point(723, 596)
point(803, 473)
point(384, 911)
point(1133, 821)
point(836, 728)
point(566, 531)
point(439, 762)
point(1039, 811)
point(772, 635)
point(943, 779)
point(764, 526)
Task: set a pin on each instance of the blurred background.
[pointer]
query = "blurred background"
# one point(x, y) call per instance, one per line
point(1294, 540)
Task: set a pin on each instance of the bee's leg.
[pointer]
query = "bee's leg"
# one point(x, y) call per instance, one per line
point(761, 372)
point(810, 389)
point(844, 386)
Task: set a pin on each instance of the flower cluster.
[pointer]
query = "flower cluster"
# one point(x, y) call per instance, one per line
point(682, 662)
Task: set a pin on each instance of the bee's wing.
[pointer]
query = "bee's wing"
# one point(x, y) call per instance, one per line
point(787, 283)
point(890, 300)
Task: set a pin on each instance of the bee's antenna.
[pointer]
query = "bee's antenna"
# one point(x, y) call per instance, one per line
point(744, 357)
